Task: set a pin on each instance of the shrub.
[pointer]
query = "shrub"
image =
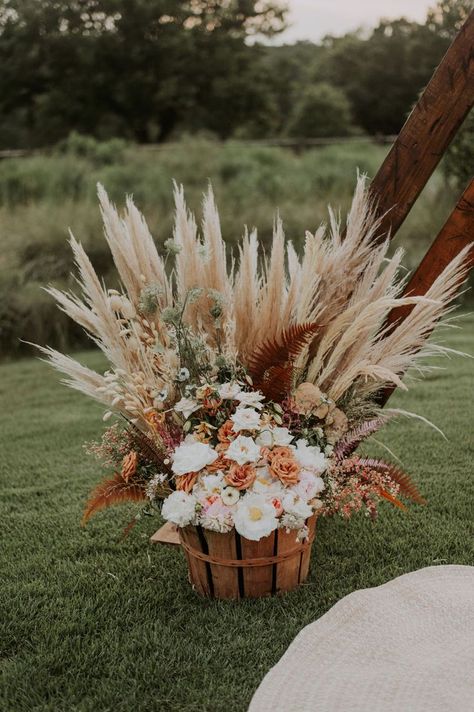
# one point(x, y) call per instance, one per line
point(322, 111)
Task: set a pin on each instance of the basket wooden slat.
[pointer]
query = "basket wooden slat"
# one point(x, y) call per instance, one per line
point(225, 579)
point(199, 571)
point(230, 566)
point(288, 572)
point(258, 581)
point(306, 555)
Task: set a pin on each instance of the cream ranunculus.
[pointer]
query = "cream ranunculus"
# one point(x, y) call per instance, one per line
point(230, 496)
point(179, 508)
point(245, 419)
point(310, 457)
point(243, 450)
point(254, 517)
point(192, 457)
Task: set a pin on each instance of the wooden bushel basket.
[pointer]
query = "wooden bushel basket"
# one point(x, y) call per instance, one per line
point(229, 566)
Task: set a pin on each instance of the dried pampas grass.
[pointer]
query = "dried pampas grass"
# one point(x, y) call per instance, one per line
point(343, 283)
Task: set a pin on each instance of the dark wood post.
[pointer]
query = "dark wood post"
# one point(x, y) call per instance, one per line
point(427, 133)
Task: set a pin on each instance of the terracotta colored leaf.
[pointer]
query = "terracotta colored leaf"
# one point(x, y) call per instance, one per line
point(407, 486)
point(386, 495)
point(272, 358)
point(112, 491)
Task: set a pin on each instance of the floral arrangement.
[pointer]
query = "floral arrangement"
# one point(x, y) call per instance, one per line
point(243, 388)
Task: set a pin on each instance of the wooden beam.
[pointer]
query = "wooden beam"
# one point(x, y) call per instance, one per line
point(427, 133)
point(455, 235)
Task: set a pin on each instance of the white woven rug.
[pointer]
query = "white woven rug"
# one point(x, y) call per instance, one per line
point(406, 646)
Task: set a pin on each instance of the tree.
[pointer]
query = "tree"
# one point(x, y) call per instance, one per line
point(140, 69)
point(322, 111)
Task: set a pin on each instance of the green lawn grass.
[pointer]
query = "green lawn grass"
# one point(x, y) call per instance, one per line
point(91, 624)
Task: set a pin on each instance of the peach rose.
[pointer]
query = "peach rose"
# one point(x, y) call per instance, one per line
point(336, 425)
point(186, 482)
point(211, 405)
point(220, 464)
point(284, 466)
point(309, 399)
point(240, 476)
point(226, 433)
point(129, 465)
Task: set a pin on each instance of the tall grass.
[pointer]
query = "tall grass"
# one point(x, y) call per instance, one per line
point(41, 196)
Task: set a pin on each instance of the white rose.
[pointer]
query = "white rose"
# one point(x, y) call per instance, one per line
point(228, 391)
point(251, 398)
point(310, 456)
point(243, 450)
point(192, 457)
point(186, 406)
point(245, 419)
point(282, 436)
point(254, 518)
point(179, 508)
point(265, 438)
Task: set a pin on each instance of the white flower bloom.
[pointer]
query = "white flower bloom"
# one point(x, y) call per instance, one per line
point(192, 457)
point(309, 485)
point(267, 485)
point(254, 517)
point(282, 436)
point(310, 456)
point(186, 406)
point(251, 398)
point(154, 484)
point(274, 436)
point(183, 374)
point(265, 438)
point(243, 450)
point(212, 484)
point(179, 508)
point(230, 496)
point(228, 391)
point(245, 419)
point(296, 506)
point(217, 517)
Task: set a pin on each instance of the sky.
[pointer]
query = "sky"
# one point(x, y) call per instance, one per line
point(312, 19)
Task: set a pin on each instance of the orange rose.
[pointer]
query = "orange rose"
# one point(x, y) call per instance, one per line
point(284, 466)
point(211, 405)
point(220, 464)
point(129, 465)
point(186, 482)
point(226, 433)
point(240, 476)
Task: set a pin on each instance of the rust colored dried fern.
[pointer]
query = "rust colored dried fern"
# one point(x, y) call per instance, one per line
point(271, 365)
point(407, 486)
point(112, 491)
point(147, 448)
point(352, 439)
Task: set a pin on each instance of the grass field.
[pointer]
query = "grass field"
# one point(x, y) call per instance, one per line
point(90, 624)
